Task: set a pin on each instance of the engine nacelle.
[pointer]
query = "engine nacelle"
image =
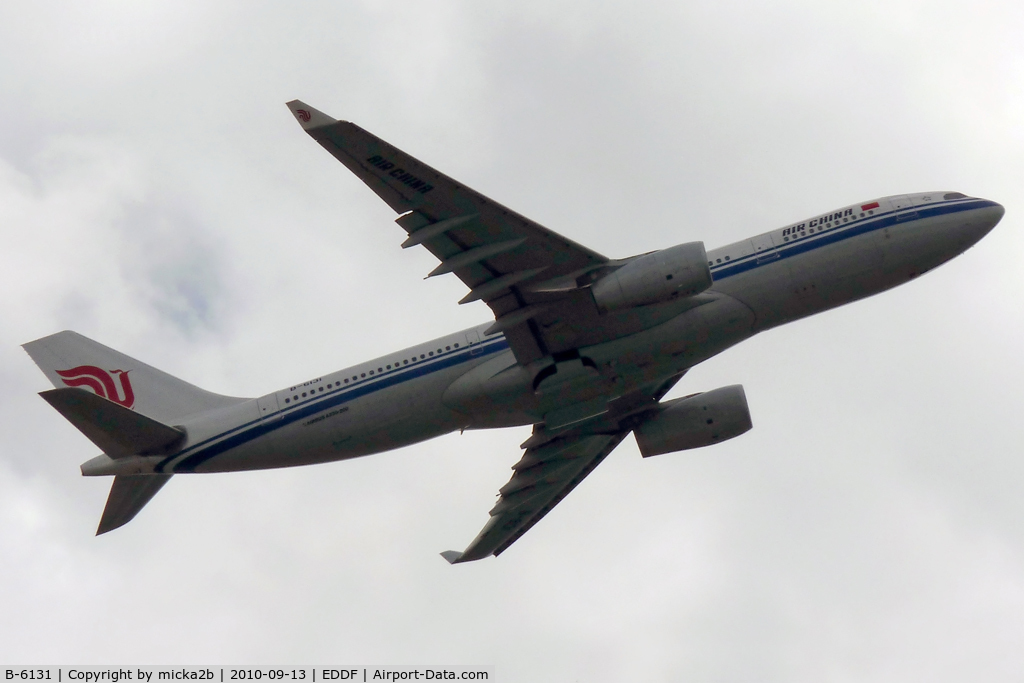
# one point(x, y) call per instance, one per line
point(695, 421)
point(675, 272)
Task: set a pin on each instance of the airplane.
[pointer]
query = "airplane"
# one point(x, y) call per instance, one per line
point(582, 347)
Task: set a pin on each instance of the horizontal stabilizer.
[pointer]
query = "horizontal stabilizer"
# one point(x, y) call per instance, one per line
point(128, 495)
point(118, 431)
point(453, 556)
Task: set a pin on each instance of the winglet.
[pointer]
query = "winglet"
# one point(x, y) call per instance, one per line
point(308, 117)
point(453, 556)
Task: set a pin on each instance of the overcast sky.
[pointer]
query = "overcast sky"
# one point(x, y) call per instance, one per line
point(156, 195)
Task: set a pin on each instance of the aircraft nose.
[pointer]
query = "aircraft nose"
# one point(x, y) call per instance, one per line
point(978, 222)
point(986, 218)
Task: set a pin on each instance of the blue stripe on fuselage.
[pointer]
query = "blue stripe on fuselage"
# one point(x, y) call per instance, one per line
point(860, 226)
point(201, 452)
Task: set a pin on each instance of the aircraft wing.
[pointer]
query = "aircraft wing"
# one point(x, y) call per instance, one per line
point(532, 278)
point(543, 477)
point(551, 467)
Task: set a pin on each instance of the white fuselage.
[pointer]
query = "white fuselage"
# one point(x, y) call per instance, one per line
point(469, 380)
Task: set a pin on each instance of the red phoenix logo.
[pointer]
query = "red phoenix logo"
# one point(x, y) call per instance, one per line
point(304, 115)
point(101, 382)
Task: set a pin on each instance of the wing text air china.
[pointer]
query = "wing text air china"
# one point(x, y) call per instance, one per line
point(582, 347)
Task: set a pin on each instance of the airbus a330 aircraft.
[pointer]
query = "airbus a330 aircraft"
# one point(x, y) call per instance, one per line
point(582, 347)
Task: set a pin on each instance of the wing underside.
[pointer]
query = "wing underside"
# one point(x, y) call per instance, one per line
point(541, 479)
point(552, 466)
point(532, 278)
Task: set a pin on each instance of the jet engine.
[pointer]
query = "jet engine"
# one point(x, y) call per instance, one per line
point(654, 278)
point(695, 421)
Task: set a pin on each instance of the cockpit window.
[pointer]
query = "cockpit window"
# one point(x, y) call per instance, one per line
point(954, 195)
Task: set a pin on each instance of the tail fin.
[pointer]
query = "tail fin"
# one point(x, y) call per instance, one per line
point(128, 495)
point(70, 360)
point(124, 406)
